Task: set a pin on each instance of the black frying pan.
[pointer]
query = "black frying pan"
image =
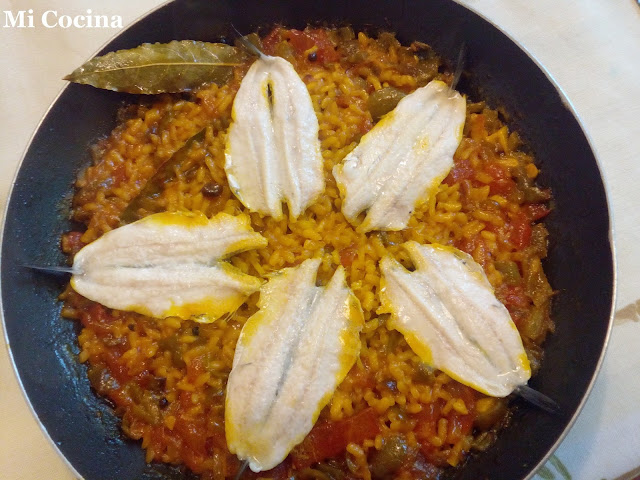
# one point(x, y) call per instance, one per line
point(579, 266)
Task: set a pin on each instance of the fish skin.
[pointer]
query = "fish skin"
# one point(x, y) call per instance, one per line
point(290, 357)
point(448, 312)
point(169, 264)
point(273, 152)
point(400, 162)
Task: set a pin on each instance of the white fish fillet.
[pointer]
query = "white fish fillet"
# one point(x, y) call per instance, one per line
point(402, 160)
point(273, 152)
point(290, 357)
point(450, 317)
point(169, 264)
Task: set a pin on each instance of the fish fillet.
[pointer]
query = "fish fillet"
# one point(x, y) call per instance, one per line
point(450, 317)
point(273, 152)
point(169, 264)
point(401, 161)
point(290, 357)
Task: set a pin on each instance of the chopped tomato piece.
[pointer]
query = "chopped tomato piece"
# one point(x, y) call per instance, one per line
point(467, 394)
point(536, 211)
point(195, 367)
point(301, 41)
point(310, 37)
point(117, 369)
point(269, 42)
point(513, 296)
point(520, 235)
point(502, 183)
point(71, 243)
point(361, 426)
point(97, 318)
point(348, 255)
point(426, 426)
point(481, 253)
point(458, 426)
point(361, 377)
point(467, 245)
point(461, 171)
point(192, 432)
point(366, 125)
point(328, 439)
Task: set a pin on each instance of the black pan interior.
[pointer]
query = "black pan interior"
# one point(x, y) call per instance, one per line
point(580, 265)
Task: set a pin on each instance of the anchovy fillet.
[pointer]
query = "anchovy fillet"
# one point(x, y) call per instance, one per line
point(402, 160)
point(449, 315)
point(273, 152)
point(290, 357)
point(169, 264)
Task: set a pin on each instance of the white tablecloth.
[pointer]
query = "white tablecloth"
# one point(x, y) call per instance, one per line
point(591, 48)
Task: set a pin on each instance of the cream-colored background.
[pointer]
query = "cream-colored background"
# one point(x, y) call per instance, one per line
point(592, 50)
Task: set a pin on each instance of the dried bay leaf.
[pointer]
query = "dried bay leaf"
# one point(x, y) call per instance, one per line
point(173, 67)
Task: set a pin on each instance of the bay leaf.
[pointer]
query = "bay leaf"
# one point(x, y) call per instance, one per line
point(153, 68)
